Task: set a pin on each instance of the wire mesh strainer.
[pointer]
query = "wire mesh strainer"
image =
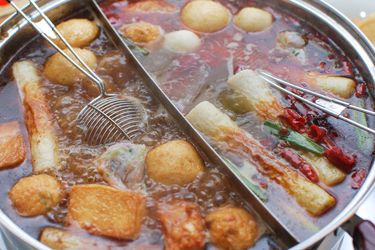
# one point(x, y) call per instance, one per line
point(106, 118)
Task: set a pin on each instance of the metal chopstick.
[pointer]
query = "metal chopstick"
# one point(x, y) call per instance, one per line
point(331, 99)
point(85, 69)
point(326, 106)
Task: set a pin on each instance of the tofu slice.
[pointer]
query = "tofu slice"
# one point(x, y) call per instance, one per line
point(341, 86)
point(59, 239)
point(218, 126)
point(12, 145)
point(106, 211)
point(212, 122)
point(39, 118)
point(329, 174)
point(258, 94)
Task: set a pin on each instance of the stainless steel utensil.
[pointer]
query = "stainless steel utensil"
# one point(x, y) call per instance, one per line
point(106, 118)
point(329, 105)
point(15, 32)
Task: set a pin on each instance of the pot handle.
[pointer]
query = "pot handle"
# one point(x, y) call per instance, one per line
point(364, 236)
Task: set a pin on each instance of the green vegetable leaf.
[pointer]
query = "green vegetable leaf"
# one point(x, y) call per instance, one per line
point(294, 138)
point(133, 46)
point(364, 139)
point(252, 186)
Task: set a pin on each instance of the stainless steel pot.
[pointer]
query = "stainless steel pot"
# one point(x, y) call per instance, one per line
point(15, 32)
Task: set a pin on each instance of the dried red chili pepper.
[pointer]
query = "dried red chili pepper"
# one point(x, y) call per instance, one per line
point(294, 120)
point(310, 115)
point(317, 133)
point(267, 142)
point(299, 163)
point(238, 68)
point(341, 160)
point(322, 65)
point(328, 142)
point(3, 3)
point(358, 177)
point(360, 90)
point(348, 67)
point(296, 91)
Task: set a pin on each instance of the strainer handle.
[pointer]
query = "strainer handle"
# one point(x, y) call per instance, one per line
point(41, 30)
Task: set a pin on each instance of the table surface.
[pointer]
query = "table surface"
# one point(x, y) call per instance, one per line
point(354, 9)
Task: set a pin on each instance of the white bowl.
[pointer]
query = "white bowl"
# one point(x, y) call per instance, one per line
point(354, 9)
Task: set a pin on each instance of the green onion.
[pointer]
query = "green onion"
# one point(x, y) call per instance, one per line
point(294, 138)
point(364, 139)
point(133, 46)
point(252, 186)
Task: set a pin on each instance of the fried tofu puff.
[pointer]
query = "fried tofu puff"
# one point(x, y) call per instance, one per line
point(77, 32)
point(152, 6)
point(142, 33)
point(35, 195)
point(252, 19)
point(59, 70)
point(106, 211)
point(182, 225)
point(232, 228)
point(175, 162)
point(205, 16)
point(12, 145)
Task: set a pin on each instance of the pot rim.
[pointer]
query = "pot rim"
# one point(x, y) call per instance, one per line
point(363, 48)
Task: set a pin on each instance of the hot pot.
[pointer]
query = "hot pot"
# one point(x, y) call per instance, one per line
point(15, 32)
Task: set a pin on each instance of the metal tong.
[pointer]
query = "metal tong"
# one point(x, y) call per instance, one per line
point(329, 105)
point(106, 118)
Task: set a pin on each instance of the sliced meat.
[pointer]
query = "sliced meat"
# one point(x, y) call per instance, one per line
point(183, 226)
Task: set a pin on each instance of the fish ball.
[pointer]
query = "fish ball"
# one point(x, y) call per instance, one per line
point(232, 228)
point(141, 32)
point(59, 70)
point(35, 195)
point(253, 19)
point(175, 162)
point(77, 32)
point(205, 16)
point(182, 41)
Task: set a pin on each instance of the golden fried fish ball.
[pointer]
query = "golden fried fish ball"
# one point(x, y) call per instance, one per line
point(78, 32)
point(175, 162)
point(232, 228)
point(182, 41)
point(35, 195)
point(152, 6)
point(59, 70)
point(253, 19)
point(141, 32)
point(205, 16)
